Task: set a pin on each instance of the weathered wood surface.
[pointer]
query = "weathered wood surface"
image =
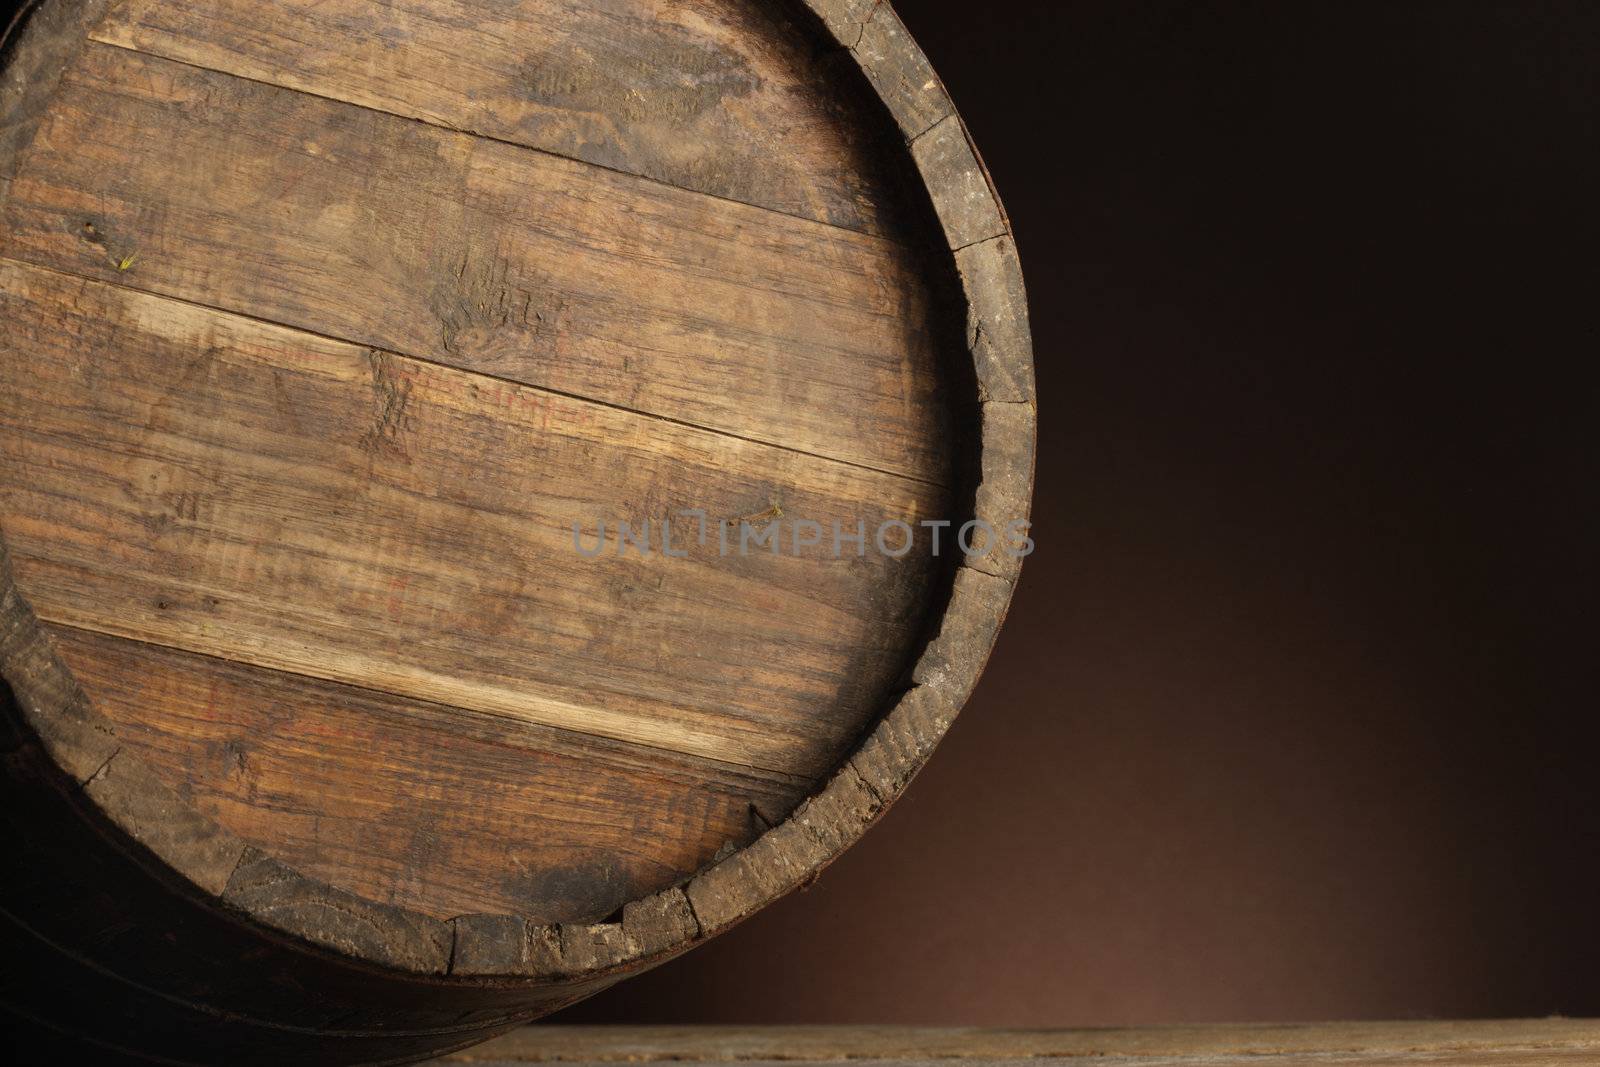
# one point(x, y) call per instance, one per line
point(1520, 1043)
point(212, 483)
point(487, 257)
point(86, 921)
point(556, 827)
point(694, 93)
point(324, 325)
point(200, 482)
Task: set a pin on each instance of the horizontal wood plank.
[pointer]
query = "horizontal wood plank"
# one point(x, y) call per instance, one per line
point(725, 97)
point(210, 483)
point(486, 256)
point(414, 804)
point(1494, 1057)
point(1520, 1043)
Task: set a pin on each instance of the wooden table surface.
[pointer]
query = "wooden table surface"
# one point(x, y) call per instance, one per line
point(1520, 1043)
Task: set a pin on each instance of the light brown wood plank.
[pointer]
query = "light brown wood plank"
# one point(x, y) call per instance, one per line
point(1494, 1057)
point(1515, 1043)
point(414, 804)
point(726, 97)
point(210, 483)
point(486, 256)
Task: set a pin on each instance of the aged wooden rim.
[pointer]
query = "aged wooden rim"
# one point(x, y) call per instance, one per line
point(511, 948)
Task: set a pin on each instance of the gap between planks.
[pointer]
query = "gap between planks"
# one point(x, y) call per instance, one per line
point(883, 239)
point(782, 778)
point(815, 320)
point(416, 680)
point(909, 479)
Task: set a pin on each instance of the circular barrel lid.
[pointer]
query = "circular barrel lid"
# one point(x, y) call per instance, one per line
point(499, 488)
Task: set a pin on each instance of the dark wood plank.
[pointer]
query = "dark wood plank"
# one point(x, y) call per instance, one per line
point(164, 968)
point(210, 483)
point(417, 805)
point(720, 96)
point(488, 257)
point(55, 33)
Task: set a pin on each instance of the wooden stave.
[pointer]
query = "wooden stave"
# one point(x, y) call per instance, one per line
point(102, 796)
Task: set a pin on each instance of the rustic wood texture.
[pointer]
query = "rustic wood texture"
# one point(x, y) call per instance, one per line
point(235, 489)
point(289, 502)
point(484, 256)
point(87, 920)
point(310, 369)
point(31, 67)
point(1519, 1043)
point(370, 792)
point(694, 93)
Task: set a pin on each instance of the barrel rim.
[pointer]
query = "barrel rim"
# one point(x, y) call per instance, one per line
point(511, 948)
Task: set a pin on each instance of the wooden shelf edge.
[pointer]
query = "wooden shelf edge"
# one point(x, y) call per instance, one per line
point(1501, 1043)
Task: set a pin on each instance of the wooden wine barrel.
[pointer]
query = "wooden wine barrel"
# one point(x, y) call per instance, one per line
point(348, 722)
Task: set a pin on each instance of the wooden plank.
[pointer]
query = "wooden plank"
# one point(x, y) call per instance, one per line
point(720, 96)
point(898, 70)
point(1526, 1057)
point(488, 257)
point(414, 804)
point(192, 479)
point(1524, 1043)
point(56, 32)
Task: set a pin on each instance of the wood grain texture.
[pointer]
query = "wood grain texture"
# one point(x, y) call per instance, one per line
point(1495, 1057)
point(298, 401)
point(418, 805)
point(961, 190)
point(203, 388)
point(89, 920)
point(898, 70)
point(224, 493)
point(998, 333)
point(719, 96)
point(210, 483)
point(488, 257)
point(1519, 1043)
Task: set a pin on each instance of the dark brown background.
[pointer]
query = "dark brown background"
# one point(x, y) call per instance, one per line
point(1295, 716)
